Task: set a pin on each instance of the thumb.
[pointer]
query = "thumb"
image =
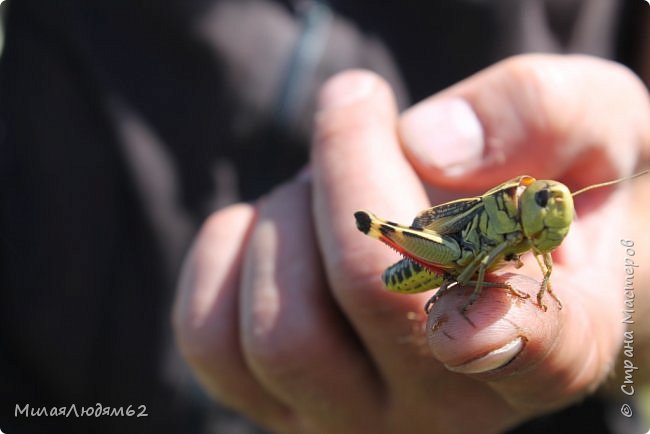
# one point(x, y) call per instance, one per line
point(541, 115)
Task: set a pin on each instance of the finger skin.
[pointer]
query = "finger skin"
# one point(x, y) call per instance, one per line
point(578, 118)
point(357, 163)
point(294, 337)
point(205, 317)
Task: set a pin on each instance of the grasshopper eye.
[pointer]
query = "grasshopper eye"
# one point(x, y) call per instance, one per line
point(541, 197)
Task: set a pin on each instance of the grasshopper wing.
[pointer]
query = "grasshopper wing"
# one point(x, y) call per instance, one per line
point(450, 217)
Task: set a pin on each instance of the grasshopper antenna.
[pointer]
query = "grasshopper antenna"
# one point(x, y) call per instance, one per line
point(605, 184)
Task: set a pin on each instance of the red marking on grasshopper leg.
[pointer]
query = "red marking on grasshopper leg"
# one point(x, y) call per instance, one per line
point(434, 268)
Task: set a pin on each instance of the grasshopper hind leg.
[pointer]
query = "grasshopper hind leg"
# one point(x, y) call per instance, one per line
point(446, 285)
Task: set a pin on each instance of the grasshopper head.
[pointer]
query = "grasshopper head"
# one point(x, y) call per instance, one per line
point(546, 210)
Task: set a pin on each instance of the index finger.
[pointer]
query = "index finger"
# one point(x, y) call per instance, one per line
point(357, 163)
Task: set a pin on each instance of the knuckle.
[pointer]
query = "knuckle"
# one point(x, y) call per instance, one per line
point(280, 354)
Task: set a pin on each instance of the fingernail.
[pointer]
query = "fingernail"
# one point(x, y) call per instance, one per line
point(345, 89)
point(492, 360)
point(445, 134)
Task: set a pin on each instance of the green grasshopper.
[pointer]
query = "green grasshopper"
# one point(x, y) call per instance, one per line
point(457, 242)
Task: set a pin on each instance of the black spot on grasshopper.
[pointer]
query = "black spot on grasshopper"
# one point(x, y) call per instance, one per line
point(386, 230)
point(407, 273)
point(512, 191)
point(363, 221)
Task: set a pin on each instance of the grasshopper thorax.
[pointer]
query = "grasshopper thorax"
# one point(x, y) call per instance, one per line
point(546, 212)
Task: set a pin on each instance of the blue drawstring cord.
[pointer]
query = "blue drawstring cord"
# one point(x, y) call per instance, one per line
point(316, 21)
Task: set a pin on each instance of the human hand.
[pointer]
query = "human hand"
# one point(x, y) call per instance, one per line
point(280, 309)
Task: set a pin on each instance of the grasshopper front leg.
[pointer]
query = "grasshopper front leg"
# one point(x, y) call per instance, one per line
point(547, 268)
